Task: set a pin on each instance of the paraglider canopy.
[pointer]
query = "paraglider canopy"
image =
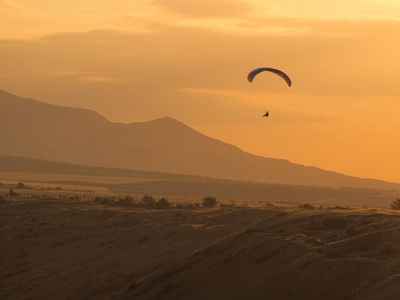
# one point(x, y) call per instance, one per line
point(253, 74)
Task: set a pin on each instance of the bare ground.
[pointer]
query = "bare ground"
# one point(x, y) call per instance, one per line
point(65, 249)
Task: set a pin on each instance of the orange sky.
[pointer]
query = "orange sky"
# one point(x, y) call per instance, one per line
point(144, 59)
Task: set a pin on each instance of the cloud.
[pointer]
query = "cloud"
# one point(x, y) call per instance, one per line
point(208, 9)
point(5, 5)
point(175, 70)
point(99, 79)
point(66, 73)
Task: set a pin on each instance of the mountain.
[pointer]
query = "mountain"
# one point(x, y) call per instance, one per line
point(80, 136)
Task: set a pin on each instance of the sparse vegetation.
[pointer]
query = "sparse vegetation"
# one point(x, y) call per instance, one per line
point(126, 201)
point(148, 201)
point(163, 203)
point(20, 185)
point(395, 205)
point(11, 193)
point(338, 207)
point(307, 244)
point(209, 202)
point(306, 206)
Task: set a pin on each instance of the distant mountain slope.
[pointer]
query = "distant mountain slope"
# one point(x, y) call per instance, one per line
point(167, 184)
point(33, 129)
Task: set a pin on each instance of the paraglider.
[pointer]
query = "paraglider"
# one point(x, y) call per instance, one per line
point(253, 73)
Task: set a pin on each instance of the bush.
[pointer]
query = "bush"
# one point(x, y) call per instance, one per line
point(306, 206)
point(148, 201)
point(11, 193)
point(126, 201)
point(20, 185)
point(103, 200)
point(395, 205)
point(163, 203)
point(209, 202)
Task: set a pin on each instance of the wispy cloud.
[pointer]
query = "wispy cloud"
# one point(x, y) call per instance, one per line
point(85, 76)
point(208, 9)
point(100, 79)
point(5, 5)
point(66, 73)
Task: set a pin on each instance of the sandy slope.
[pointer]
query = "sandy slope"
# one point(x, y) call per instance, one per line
point(52, 249)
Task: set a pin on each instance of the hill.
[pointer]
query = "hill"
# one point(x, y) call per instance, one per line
point(83, 250)
point(80, 136)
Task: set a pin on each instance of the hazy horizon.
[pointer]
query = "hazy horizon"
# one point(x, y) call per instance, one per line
point(134, 62)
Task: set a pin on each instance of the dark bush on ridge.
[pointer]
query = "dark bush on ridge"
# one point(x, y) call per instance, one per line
point(126, 201)
point(20, 185)
point(209, 202)
point(306, 206)
point(395, 205)
point(148, 201)
point(163, 203)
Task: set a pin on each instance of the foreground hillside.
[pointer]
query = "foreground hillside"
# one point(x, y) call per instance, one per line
point(80, 136)
point(83, 250)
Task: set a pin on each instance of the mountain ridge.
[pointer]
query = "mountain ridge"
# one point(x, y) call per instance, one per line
point(82, 136)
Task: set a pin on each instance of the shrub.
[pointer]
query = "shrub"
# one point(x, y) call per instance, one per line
point(163, 203)
point(20, 185)
point(11, 193)
point(190, 205)
point(148, 201)
point(126, 201)
point(209, 202)
point(395, 205)
point(103, 200)
point(306, 206)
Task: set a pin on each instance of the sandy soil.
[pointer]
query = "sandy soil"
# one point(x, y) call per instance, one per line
point(66, 249)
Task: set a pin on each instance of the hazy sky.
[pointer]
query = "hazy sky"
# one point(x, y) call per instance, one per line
point(140, 60)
